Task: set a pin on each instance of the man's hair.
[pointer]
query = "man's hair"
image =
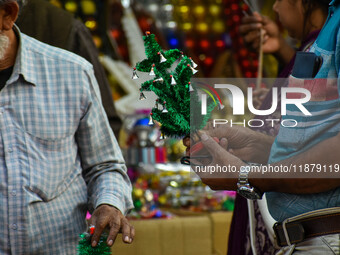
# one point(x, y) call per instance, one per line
point(20, 2)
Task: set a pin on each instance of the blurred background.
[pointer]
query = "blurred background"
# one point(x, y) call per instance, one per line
point(174, 212)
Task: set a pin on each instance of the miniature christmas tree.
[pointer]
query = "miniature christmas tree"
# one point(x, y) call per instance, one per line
point(85, 248)
point(173, 88)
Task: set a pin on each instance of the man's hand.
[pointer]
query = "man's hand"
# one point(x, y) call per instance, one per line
point(244, 143)
point(273, 42)
point(221, 157)
point(250, 31)
point(109, 216)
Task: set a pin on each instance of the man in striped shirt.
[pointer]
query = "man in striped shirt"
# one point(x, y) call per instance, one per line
point(58, 155)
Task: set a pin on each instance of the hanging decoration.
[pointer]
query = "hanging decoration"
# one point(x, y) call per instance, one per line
point(85, 248)
point(177, 118)
point(134, 74)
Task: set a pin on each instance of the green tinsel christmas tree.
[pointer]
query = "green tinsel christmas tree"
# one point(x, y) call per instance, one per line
point(178, 107)
point(85, 248)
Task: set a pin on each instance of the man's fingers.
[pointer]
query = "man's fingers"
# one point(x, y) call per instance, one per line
point(256, 18)
point(126, 231)
point(133, 232)
point(186, 141)
point(245, 29)
point(252, 39)
point(210, 144)
point(224, 143)
point(115, 226)
point(99, 227)
point(265, 20)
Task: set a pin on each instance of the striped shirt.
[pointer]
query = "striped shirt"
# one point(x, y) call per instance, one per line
point(58, 154)
point(322, 124)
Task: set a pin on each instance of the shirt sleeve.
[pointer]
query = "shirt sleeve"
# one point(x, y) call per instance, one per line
point(102, 162)
point(81, 43)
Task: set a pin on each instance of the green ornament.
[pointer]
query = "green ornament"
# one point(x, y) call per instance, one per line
point(138, 204)
point(228, 205)
point(85, 248)
point(171, 85)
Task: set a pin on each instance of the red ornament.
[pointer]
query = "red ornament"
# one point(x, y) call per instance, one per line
point(144, 23)
point(236, 18)
point(234, 7)
point(245, 63)
point(204, 43)
point(92, 228)
point(243, 52)
point(189, 43)
point(249, 74)
point(208, 61)
point(115, 33)
point(227, 11)
point(219, 43)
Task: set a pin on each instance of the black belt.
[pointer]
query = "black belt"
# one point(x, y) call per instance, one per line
point(299, 230)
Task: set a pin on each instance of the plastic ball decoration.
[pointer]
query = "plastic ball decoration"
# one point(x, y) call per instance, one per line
point(212, 22)
point(247, 60)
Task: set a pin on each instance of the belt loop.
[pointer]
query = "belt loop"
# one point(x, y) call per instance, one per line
point(286, 232)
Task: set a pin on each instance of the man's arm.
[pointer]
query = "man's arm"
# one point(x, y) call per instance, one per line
point(104, 169)
point(325, 153)
point(80, 41)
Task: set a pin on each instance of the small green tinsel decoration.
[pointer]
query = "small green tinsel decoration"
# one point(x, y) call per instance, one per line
point(85, 248)
point(178, 108)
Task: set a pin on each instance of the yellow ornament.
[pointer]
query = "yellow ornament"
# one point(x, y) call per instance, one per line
point(202, 27)
point(184, 9)
point(56, 3)
point(137, 193)
point(71, 6)
point(199, 10)
point(187, 26)
point(214, 10)
point(88, 7)
point(91, 24)
point(218, 26)
point(97, 41)
point(174, 184)
point(162, 199)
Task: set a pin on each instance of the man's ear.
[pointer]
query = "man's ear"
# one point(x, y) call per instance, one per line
point(11, 11)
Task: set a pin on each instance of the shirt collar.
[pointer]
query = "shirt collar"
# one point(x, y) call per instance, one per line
point(21, 68)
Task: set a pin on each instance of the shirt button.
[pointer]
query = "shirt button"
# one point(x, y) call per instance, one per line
point(13, 193)
point(14, 226)
point(10, 150)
